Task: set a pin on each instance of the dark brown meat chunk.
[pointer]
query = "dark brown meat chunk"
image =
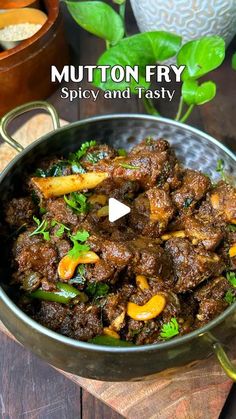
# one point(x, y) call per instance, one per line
point(202, 230)
point(147, 164)
point(86, 322)
point(192, 264)
point(194, 187)
point(223, 202)
point(215, 289)
point(36, 255)
point(152, 212)
point(149, 259)
point(208, 310)
point(20, 211)
point(81, 322)
point(51, 314)
point(58, 210)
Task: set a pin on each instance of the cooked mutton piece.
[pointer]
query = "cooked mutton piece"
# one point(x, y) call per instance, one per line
point(192, 264)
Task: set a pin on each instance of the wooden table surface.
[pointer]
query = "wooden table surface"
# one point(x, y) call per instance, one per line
point(29, 388)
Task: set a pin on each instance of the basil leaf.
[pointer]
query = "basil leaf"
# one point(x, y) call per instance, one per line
point(195, 94)
point(142, 50)
point(98, 18)
point(234, 61)
point(201, 56)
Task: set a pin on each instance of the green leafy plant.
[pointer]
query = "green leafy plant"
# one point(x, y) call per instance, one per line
point(230, 297)
point(170, 329)
point(78, 202)
point(42, 228)
point(231, 276)
point(78, 239)
point(199, 57)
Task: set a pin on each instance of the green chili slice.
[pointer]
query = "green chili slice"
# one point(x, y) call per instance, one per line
point(64, 294)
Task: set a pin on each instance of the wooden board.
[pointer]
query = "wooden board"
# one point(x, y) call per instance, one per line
point(196, 394)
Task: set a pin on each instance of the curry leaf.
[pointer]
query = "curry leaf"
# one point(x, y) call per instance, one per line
point(201, 56)
point(98, 18)
point(195, 94)
point(142, 50)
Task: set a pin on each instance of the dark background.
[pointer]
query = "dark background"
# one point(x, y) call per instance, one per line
point(29, 388)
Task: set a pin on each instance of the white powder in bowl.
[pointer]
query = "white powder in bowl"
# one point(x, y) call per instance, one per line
point(19, 32)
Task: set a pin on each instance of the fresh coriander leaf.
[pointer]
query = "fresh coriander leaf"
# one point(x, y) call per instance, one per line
point(231, 228)
point(78, 202)
point(78, 249)
point(129, 166)
point(141, 50)
point(188, 202)
point(195, 94)
point(74, 158)
point(97, 289)
point(220, 168)
point(36, 220)
point(230, 297)
point(41, 229)
point(122, 152)
point(170, 329)
point(201, 56)
point(81, 236)
point(231, 276)
point(61, 230)
point(234, 61)
point(98, 18)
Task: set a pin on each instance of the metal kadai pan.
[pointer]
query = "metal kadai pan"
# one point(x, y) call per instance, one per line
point(196, 150)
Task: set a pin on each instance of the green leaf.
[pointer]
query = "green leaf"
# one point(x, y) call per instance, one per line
point(129, 166)
point(109, 341)
point(231, 276)
point(142, 50)
point(170, 329)
point(81, 236)
point(195, 94)
point(78, 202)
point(97, 289)
point(234, 61)
point(122, 152)
point(231, 228)
point(230, 297)
point(201, 56)
point(61, 230)
point(41, 229)
point(78, 248)
point(98, 18)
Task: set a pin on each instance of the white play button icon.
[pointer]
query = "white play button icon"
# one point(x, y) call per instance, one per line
point(117, 210)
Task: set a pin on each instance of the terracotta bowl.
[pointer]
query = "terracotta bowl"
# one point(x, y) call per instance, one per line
point(25, 69)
